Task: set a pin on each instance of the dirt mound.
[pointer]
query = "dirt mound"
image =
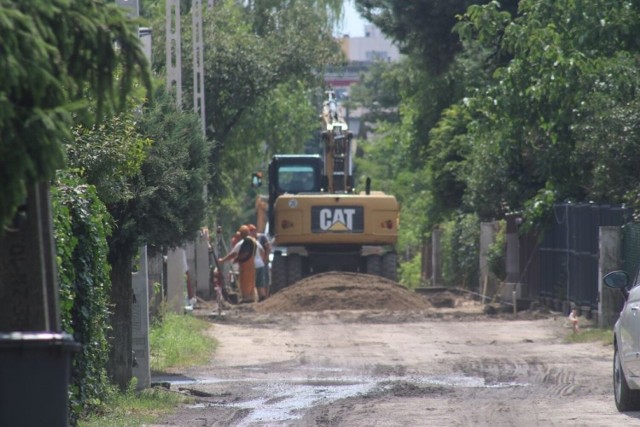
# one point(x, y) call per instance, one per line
point(343, 291)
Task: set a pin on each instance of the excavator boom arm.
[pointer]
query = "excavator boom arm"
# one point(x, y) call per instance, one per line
point(337, 147)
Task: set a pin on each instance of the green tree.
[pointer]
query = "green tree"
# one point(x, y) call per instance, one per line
point(460, 251)
point(568, 61)
point(379, 92)
point(169, 207)
point(55, 55)
point(266, 13)
point(243, 65)
point(384, 159)
point(446, 167)
point(265, 136)
point(108, 155)
point(261, 62)
point(523, 104)
point(610, 141)
point(422, 28)
point(155, 199)
point(429, 100)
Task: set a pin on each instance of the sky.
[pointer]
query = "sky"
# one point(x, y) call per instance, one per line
point(353, 23)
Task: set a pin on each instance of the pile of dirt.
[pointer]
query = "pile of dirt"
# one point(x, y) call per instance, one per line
point(343, 291)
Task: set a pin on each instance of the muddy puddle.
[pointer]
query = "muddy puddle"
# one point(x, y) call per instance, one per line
point(290, 398)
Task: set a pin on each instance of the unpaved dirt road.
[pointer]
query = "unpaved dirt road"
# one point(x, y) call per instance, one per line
point(426, 366)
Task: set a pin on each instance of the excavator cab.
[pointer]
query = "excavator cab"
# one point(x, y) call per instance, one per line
point(297, 179)
point(294, 174)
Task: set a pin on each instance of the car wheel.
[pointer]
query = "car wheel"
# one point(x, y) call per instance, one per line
point(626, 399)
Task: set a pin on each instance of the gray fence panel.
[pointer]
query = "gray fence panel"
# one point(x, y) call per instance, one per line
point(568, 253)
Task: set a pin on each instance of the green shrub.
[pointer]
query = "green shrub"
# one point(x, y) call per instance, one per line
point(411, 272)
point(605, 336)
point(497, 252)
point(132, 408)
point(81, 225)
point(176, 341)
point(460, 251)
point(179, 341)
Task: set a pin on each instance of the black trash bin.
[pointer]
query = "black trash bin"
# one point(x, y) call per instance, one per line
point(35, 369)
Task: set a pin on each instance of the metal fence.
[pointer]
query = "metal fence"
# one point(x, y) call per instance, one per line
point(568, 253)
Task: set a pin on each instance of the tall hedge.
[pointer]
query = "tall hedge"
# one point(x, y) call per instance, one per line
point(82, 225)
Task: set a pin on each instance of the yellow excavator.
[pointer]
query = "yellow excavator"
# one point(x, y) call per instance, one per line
point(317, 221)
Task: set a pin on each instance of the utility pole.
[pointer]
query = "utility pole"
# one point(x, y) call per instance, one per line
point(174, 50)
point(198, 65)
point(174, 84)
point(174, 56)
point(136, 325)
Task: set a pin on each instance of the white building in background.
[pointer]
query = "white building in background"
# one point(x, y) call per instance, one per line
point(370, 48)
point(361, 52)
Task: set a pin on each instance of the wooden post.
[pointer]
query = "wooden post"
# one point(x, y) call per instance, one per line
point(484, 288)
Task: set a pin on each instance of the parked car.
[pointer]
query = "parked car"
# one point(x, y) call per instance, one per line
point(626, 356)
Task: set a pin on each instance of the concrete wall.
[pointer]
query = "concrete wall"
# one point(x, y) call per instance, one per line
point(611, 300)
point(513, 257)
point(140, 323)
point(201, 266)
point(436, 258)
point(487, 281)
point(176, 283)
point(426, 267)
point(155, 272)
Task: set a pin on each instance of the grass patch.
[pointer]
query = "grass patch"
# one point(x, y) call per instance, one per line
point(591, 335)
point(177, 341)
point(131, 409)
point(180, 341)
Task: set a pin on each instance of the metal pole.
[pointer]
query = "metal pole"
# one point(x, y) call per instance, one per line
point(198, 64)
point(174, 50)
